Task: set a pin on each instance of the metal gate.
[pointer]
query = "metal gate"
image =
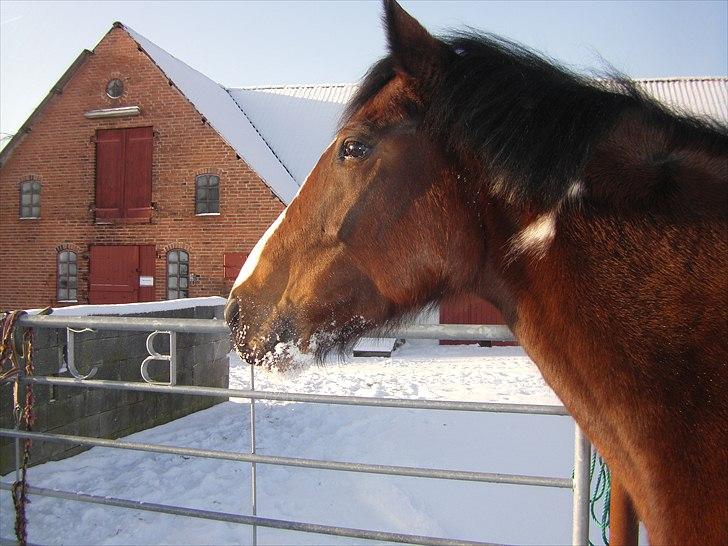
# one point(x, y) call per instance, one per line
point(579, 483)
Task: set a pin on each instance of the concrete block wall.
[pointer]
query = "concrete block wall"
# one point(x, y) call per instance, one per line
point(201, 361)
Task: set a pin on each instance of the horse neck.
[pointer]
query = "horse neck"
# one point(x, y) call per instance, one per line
point(646, 184)
point(598, 309)
point(596, 293)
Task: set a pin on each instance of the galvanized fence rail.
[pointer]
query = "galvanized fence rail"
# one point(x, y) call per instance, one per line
point(579, 483)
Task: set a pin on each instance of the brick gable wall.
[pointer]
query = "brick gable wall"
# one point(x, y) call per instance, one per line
point(60, 153)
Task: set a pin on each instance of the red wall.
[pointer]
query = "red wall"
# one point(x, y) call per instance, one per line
point(60, 153)
point(470, 310)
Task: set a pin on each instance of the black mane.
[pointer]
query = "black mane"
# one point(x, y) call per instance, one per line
point(530, 121)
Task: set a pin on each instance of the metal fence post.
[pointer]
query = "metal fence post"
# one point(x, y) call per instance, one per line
point(253, 470)
point(582, 455)
point(18, 411)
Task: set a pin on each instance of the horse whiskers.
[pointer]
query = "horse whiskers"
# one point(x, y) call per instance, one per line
point(339, 338)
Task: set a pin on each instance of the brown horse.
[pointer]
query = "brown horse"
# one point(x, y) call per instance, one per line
point(593, 218)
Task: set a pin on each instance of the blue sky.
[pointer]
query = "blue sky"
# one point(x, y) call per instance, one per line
point(275, 42)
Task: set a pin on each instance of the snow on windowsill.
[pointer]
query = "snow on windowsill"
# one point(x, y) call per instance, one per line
point(133, 308)
point(208, 214)
point(28, 217)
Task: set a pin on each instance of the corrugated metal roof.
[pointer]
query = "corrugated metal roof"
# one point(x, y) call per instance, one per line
point(696, 96)
point(299, 121)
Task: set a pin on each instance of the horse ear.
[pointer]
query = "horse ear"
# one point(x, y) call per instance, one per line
point(413, 49)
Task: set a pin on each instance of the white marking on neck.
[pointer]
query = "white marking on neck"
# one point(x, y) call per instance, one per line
point(575, 191)
point(536, 237)
point(254, 257)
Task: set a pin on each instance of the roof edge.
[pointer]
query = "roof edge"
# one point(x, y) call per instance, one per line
point(57, 89)
point(265, 141)
point(277, 86)
point(290, 86)
point(682, 79)
point(131, 33)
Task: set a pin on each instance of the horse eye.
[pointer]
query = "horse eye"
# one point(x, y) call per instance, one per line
point(354, 149)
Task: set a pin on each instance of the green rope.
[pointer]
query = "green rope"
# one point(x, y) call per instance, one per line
point(601, 492)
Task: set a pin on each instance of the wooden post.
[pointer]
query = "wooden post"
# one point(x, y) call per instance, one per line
point(623, 522)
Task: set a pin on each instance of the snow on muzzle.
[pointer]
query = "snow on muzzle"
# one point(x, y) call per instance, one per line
point(286, 337)
point(262, 335)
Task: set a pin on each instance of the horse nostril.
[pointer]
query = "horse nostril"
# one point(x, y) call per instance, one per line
point(285, 330)
point(232, 312)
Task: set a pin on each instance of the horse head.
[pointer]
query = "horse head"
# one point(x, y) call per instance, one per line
point(375, 230)
point(590, 215)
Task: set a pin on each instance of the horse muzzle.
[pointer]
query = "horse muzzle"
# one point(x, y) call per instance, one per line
point(261, 336)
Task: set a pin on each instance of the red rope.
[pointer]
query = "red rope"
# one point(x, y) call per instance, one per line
point(10, 368)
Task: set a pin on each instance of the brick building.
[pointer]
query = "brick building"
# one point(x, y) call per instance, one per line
point(138, 178)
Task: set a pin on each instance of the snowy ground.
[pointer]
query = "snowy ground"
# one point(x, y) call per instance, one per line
point(541, 445)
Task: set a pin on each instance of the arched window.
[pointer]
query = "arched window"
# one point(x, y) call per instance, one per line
point(30, 199)
point(67, 281)
point(207, 194)
point(178, 274)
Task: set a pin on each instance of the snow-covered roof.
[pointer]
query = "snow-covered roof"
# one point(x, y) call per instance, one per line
point(297, 121)
point(281, 131)
point(215, 103)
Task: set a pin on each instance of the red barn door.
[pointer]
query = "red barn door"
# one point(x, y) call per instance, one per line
point(124, 174)
point(121, 274)
point(138, 173)
point(109, 173)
